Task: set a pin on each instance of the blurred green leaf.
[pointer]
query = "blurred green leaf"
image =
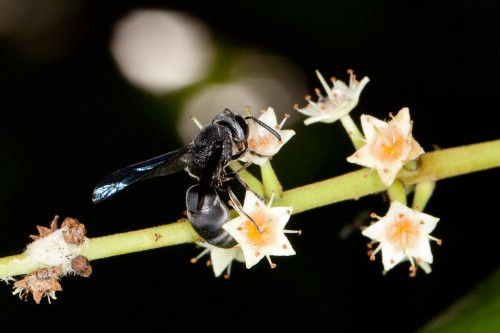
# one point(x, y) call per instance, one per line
point(478, 311)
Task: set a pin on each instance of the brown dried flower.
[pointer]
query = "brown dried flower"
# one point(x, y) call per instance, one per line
point(73, 231)
point(44, 231)
point(42, 282)
point(57, 248)
point(81, 266)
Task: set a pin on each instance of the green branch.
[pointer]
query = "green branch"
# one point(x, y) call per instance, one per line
point(433, 166)
point(437, 165)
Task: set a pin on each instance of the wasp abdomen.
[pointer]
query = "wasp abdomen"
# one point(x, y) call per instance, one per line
point(207, 214)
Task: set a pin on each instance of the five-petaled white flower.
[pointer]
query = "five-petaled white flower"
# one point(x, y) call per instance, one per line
point(340, 100)
point(221, 259)
point(262, 144)
point(266, 240)
point(389, 145)
point(403, 234)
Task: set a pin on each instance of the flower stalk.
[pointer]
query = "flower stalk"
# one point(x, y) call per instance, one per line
point(422, 194)
point(437, 165)
point(397, 192)
point(271, 182)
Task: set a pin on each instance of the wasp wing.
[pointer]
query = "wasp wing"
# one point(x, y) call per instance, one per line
point(162, 165)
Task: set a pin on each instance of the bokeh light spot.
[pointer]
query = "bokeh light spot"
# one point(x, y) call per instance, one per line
point(161, 51)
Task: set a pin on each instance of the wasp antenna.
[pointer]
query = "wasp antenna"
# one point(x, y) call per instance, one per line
point(197, 122)
point(267, 127)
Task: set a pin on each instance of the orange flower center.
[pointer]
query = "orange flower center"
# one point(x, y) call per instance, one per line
point(403, 232)
point(262, 144)
point(267, 233)
point(390, 145)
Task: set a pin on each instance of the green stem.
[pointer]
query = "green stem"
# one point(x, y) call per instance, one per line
point(135, 241)
point(434, 166)
point(437, 165)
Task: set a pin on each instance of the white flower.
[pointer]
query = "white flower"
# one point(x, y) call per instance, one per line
point(389, 145)
point(269, 239)
point(262, 144)
point(403, 234)
point(220, 258)
point(340, 100)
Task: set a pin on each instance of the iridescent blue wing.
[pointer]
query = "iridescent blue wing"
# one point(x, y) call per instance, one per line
point(162, 165)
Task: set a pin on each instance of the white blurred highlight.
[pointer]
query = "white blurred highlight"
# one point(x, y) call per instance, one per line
point(211, 100)
point(161, 51)
point(259, 81)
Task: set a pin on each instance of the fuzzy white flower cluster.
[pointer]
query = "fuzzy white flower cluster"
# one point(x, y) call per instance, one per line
point(55, 247)
point(57, 250)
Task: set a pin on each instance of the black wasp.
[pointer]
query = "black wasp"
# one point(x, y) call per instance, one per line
point(205, 158)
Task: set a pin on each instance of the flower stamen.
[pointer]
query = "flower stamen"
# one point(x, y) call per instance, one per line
point(202, 253)
point(272, 264)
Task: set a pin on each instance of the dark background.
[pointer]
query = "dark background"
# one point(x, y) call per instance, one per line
point(69, 119)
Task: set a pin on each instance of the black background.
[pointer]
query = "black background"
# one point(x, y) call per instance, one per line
point(67, 122)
